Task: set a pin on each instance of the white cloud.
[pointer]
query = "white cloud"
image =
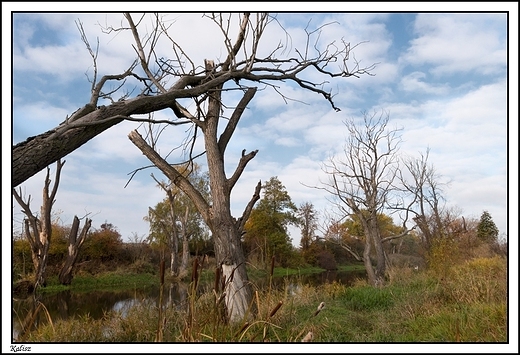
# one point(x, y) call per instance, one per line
point(60, 61)
point(414, 82)
point(36, 117)
point(459, 43)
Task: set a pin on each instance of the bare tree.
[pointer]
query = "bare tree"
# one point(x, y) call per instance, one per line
point(181, 221)
point(226, 230)
point(38, 231)
point(362, 181)
point(35, 153)
point(427, 203)
point(167, 81)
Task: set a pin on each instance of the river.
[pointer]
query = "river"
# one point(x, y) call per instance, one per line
point(68, 304)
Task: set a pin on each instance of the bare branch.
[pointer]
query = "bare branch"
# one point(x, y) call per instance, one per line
point(240, 168)
point(172, 173)
point(57, 175)
point(235, 117)
point(36, 153)
point(93, 54)
point(247, 211)
point(140, 53)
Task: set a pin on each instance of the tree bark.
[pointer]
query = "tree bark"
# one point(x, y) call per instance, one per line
point(378, 245)
point(183, 269)
point(65, 276)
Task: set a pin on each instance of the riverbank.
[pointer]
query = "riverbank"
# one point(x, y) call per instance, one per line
point(467, 304)
point(121, 279)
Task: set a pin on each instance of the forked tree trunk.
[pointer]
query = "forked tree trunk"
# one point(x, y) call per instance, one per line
point(226, 230)
point(65, 276)
point(39, 231)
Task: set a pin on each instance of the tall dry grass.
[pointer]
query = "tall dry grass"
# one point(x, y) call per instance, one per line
point(465, 302)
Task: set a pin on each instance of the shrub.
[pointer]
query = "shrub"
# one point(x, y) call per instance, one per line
point(442, 255)
point(326, 260)
point(482, 280)
point(104, 245)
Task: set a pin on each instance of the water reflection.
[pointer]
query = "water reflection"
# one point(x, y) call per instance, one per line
point(68, 304)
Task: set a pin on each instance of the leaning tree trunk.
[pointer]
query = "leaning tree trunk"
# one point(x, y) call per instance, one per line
point(65, 276)
point(35, 153)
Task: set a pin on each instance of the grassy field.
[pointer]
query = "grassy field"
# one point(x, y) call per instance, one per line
point(467, 304)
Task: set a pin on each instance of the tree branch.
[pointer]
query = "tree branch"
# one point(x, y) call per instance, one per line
point(240, 168)
point(59, 165)
point(240, 223)
point(177, 178)
point(383, 240)
point(235, 117)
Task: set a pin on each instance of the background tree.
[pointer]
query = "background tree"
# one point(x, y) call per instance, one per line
point(308, 221)
point(427, 201)
point(266, 229)
point(487, 229)
point(163, 83)
point(176, 220)
point(348, 235)
point(38, 231)
point(363, 179)
point(447, 237)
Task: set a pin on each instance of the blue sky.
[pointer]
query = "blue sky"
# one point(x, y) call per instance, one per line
point(442, 77)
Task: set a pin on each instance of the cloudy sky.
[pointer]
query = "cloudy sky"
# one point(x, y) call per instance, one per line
point(442, 78)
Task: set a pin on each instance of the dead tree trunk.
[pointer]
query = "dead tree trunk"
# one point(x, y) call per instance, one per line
point(75, 243)
point(38, 231)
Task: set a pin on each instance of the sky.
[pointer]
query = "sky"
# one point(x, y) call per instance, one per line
point(443, 78)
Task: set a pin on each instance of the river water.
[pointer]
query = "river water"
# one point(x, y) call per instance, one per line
point(68, 304)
